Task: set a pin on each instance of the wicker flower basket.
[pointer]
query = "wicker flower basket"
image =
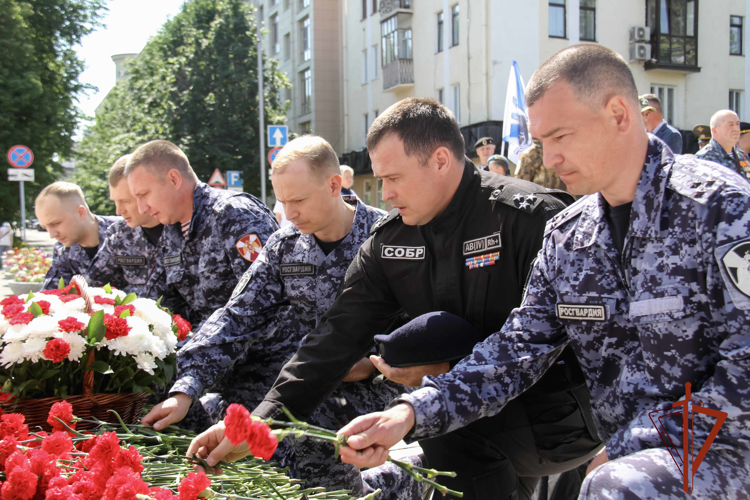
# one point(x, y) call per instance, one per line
point(88, 405)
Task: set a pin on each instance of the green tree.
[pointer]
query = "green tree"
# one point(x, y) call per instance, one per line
point(39, 85)
point(195, 84)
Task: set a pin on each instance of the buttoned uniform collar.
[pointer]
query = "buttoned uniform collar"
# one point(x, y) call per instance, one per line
point(307, 250)
point(718, 147)
point(646, 209)
point(455, 209)
point(659, 127)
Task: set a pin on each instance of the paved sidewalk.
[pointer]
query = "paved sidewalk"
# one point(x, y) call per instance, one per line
point(34, 238)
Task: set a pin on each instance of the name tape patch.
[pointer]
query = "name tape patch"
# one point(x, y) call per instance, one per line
point(582, 312)
point(407, 253)
point(297, 270)
point(130, 260)
point(173, 260)
point(490, 242)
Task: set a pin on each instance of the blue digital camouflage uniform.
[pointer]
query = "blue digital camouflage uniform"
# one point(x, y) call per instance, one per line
point(127, 260)
point(676, 310)
point(72, 260)
point(240, 350)
point(738, 161)
point(226, 233)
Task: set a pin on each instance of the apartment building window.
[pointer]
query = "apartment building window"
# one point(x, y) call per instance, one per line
point(275, 34)
point(735, 35)
point(440, 32)
point(305, 128)
point(588, 20)
point(286, 5)
point(305, 37)
point(304, 3)
point(456, 89)
point(374, 6)
point(367, 194)
point(668, 97)
point(454, 25)
point(440, 96)
point(287, 46)
point(364, 67)
point(365, 128)
point(274, 2)
point(288, 94)
point(364, 9)
point(306, 91)
point(674, 33)
point(373, 59)
point(381, 203)
point(396, 42)
point(557, 19)
point(260, 13)
point(735, 100)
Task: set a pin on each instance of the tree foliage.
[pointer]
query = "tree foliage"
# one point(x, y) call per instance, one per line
point(194, 84)
point(39, 85)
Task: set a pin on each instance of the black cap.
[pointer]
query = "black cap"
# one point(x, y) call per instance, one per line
point(429, 339)
point(744, 127)
point(483, 142)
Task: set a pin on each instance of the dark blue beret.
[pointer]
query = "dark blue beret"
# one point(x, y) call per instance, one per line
point(432, 338)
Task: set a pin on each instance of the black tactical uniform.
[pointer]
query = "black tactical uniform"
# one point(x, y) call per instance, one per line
point(472, 261)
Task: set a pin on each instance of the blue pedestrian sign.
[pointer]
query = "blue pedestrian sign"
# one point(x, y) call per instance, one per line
point(277, 136)
point(234, 178)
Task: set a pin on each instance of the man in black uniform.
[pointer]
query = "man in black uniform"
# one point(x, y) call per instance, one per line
point(459, 240)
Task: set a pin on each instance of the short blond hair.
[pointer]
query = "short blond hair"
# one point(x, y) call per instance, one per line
point(315, 151)
point(347, 168)
point(66, 192)
point(159, 157)
point(117, 171)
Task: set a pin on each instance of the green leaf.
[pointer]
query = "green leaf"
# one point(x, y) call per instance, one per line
point(125, 313)
point(137, 388)
point(63, 391)
point(36, 310)
point(49, 373)
point(29, 296)
point(61, 284)
point(158, 302)
point(118, 302)
point(96, 329)
point(129, 298)
point(107, 288)
point(100, 367)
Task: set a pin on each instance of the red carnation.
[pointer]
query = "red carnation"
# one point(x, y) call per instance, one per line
point(5, 396)
point(21, 485)
point(56, 291)
point(125, 483)
point(69, 298)
point(70, 324)
point(237, 423)
point(120, 309)
point(69, 289)
point(64, 411)
point(193, 485)
point(117, 327)
point(9, 301)
point(129, 458)
point(12, 425)
point(11, 310)
point(262, 441)
point(56, 350)
point(161, 494)
point(104, 300)
point(23, 318)
point(35, 443)
point(44, 305)
point(57, 443)
point(16, 460)
point(104, 451)
point(183, 327)
point(8, 446)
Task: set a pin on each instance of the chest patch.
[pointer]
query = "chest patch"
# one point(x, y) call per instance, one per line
point(404, 253)
point(490, 242)
point(582, 312)
point(482, 260)
point(130, 260)
point(173, 260)
point(297, 270)
point(249, 247)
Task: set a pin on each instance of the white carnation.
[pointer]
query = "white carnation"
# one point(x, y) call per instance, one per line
point(55, 304)
point(4, 324)
point(42, 327)
point(145, 362)
point(138, 340)
point(77, 345)
point(12, 353)
point(77, 305)
point(33, 347)
point(16, 333)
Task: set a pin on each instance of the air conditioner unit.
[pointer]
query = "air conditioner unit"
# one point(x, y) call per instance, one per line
point(640, 34)
point(640, 52)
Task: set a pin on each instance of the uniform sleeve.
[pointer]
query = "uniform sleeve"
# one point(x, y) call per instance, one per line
point(60, 268)
point(500, 368)
point(727, 229)
point(243, 219)
point(365, 307)
point(230, 331)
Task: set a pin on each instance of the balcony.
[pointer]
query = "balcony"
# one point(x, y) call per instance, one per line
point(398, 74)
point(388, 7)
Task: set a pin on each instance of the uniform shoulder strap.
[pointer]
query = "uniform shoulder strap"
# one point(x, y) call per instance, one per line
point(386, 219)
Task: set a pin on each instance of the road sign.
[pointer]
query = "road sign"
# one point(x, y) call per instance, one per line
point(234, 178)
point(20, 156)
point(272, 155)
point(277, 136)
point(20, 175)
point(217, 179)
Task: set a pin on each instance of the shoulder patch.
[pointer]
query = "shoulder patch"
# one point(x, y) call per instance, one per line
point(516, 198)
point(569, 213)
point(734, 264)
point(249, 247)
point(381, 222)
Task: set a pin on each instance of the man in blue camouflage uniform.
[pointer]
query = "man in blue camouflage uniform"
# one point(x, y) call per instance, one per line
point(649, 302)
point(722, 149)
point(210, 236)
point(62, 210)
point(240, 350)
point(461, 240)
point(129, 257)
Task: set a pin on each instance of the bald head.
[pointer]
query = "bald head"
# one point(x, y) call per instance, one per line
point(66, 193)
point(62, 210)
point(725, 128)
